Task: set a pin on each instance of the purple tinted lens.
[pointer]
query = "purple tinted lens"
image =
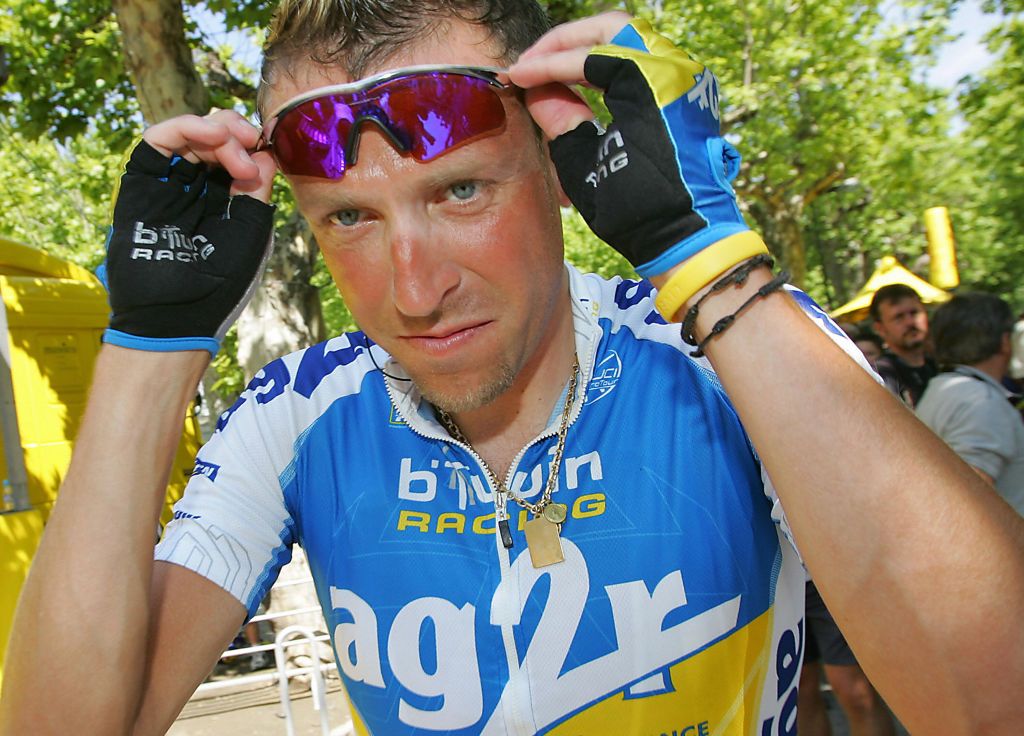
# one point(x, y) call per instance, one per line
point(425, 115)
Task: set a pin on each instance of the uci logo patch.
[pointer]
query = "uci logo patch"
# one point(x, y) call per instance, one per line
point(606, 377)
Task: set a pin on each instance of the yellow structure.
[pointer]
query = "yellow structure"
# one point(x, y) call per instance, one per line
point(889, 271)
point(52, 317)
point(942, 270)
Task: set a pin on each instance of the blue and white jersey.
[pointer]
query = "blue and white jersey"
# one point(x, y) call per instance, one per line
point(678, 608)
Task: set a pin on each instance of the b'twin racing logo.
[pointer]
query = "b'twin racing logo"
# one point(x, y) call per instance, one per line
point(611, 157)
point(168, 243)
point(705, 93)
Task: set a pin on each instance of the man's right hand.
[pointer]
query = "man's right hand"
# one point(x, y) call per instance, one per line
point(191, 232)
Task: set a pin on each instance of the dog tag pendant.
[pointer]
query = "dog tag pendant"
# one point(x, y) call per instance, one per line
point(543, 542)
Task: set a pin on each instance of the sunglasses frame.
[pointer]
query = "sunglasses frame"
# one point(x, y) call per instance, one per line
point(488, 74)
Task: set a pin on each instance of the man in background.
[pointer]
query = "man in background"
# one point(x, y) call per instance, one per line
point(966, 404)
point(900, 320)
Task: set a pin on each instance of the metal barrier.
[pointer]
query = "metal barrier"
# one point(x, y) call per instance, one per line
point(282, 673)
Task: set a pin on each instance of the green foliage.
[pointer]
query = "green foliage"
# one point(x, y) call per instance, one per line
point(67, 74)
point(844, 143)
point(992, 243)
point(56, 198)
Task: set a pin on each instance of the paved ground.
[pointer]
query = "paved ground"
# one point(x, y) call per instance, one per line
point(257, 711)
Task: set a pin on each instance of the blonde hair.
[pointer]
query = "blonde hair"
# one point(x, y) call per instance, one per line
point(354, 34)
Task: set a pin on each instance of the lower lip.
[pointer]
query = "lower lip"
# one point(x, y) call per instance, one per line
point(440, 346)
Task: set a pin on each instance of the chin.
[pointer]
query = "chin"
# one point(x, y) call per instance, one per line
point(456, 395)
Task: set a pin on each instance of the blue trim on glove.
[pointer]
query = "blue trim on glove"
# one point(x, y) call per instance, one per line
point(690, 247)
point(160, 344)
point(629, 38)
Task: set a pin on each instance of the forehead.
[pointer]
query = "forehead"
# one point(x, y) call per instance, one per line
point(455, 42)
point(906, 304)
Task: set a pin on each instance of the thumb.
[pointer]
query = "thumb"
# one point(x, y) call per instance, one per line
point(258, 187)
point(557, 108)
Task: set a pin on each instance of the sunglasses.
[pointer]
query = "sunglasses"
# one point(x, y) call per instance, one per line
point(425, 111)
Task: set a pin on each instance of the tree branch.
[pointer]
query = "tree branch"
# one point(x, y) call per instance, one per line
point(220, 79)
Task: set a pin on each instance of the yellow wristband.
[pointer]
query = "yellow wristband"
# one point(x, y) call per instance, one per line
point(697, 272)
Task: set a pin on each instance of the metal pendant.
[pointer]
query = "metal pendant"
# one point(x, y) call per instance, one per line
point(543, 542)
point(505, 534)
point(556, 512)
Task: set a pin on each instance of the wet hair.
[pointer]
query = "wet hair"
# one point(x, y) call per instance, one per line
point(353, 35)
point(969, 328)
point(888, 295)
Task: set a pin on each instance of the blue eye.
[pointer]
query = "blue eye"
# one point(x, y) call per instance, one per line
point(464, 190)
point(346, 218)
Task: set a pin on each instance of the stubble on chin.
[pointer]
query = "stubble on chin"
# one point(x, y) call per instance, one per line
point(454, 398)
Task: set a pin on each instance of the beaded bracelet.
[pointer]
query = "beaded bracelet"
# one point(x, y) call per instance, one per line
point(723, 324)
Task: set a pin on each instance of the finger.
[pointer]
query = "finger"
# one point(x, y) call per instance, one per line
point(557, 109)
point(258, 187)
point(221, 138)
point(584, 33)
point(178, 135)
point(559, 66)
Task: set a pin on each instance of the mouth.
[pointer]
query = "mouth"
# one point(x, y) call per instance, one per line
point(447, 338)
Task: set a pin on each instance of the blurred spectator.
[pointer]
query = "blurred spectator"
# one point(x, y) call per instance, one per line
point(900, 320)
point(870, 344)
point(966, 404)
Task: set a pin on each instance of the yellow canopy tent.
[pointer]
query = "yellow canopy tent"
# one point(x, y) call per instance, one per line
point(889, 271)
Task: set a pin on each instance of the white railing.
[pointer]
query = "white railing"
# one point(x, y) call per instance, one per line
point(282, 673)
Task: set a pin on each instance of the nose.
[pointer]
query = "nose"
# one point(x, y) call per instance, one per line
point(423, 271)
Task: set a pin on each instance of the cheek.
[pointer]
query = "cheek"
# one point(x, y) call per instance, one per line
point(361, 283)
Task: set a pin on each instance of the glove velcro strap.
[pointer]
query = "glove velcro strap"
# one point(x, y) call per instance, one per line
point(699, 270)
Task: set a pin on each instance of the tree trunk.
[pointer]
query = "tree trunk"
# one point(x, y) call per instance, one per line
point(284, 314)
point(784, 235)
point(159, 59)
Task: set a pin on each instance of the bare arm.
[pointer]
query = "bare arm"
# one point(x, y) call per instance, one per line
point(83, 624)
point(919, 560)
point(103, 641)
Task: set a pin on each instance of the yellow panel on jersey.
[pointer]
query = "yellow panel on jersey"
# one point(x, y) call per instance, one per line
point(716, 692)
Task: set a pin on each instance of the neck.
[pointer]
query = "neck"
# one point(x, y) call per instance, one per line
point(913, 358)
point(994, 366)
point(501, 428)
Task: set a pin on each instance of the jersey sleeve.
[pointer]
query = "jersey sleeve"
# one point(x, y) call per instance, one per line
point(232, 525)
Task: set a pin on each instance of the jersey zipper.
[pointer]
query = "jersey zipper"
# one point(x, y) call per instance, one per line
point(519, 714)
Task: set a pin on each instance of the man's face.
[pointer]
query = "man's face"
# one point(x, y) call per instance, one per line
point(903, 324)
point(453, 266)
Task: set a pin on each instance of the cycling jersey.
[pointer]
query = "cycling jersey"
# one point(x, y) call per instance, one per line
point(678, 608)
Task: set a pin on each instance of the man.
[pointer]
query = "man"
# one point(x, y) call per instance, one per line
point(526, 509)
point(966, 404)
point(900, 320)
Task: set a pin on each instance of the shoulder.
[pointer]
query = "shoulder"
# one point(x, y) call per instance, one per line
point(297, 388)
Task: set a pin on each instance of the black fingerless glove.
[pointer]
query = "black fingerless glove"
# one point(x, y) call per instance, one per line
point(183, 257)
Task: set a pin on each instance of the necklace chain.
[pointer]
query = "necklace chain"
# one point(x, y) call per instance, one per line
point(563, 429)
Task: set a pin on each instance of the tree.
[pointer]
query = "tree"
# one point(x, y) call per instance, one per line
point(109, 73)
point(811, 92)
point(992, 242)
